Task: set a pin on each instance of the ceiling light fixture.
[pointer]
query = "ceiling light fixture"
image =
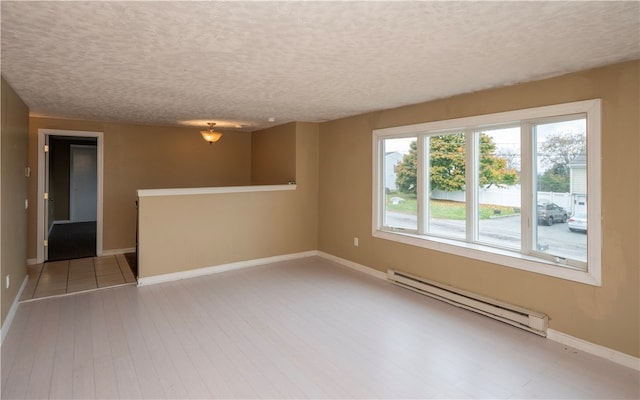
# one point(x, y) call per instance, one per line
point(211, 136)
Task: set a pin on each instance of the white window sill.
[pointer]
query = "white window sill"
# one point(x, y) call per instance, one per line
point(493, 255)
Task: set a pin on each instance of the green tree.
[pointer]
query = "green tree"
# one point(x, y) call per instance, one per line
point(556, 153)
point(406, 170)
point(447, 165)
point(493, 169)
point(559, 149)
point(554, 180)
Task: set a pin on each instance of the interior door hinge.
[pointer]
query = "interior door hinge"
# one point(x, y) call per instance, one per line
point(46, 242)
point(46, 148)
point(46, 196)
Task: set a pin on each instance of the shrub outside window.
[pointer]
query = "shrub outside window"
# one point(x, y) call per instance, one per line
point(519, 188)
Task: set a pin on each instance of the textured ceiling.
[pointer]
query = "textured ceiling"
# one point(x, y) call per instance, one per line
point(239, 63)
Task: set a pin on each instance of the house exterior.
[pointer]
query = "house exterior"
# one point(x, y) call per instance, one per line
point(391, 160)
point(578, 184)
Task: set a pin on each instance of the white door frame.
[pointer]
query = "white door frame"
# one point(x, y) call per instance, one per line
point(41, 189)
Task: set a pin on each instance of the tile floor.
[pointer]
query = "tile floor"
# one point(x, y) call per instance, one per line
point(70, 276)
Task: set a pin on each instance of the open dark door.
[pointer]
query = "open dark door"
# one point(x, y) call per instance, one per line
point(70, 208)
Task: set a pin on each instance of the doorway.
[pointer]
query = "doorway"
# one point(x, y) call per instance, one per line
point(70, 184)
point(72, 198)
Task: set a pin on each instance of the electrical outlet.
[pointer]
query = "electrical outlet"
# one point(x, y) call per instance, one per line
point(356, 241)
point(7, 281)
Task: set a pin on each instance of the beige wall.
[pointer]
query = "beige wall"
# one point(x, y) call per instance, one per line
point(143, 157)
point(273, 155)
point(607, 315)
point(13, 192)
point(186, 232)
point(307, 163)
point(332, 202)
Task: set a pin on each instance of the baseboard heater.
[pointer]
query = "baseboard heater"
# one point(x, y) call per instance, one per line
point(531, 321)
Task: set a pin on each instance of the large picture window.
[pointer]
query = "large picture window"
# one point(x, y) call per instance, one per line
point(520, 188)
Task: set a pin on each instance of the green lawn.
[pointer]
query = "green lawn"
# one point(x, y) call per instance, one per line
point(443, 209)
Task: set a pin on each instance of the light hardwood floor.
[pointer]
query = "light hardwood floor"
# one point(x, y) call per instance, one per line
point(301, 329)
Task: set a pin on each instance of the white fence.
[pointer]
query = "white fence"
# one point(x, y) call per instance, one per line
point(509, 197)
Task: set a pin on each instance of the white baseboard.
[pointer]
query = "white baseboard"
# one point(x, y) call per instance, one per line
point(192, 273)
point(353, 265)
point(32, 261)
point(582, 345)
point(12, 311)
point(115, 252)
point(568, 340)
point(595, 349)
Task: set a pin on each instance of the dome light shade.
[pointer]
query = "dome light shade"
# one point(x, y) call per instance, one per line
point(211, 136)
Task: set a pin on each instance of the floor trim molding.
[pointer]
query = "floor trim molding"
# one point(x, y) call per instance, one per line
point(595, 349)
point(615, 356)
point(353, 265)
point(12, 311)
point(115, 252)
point(556, 336)
point(192, 273)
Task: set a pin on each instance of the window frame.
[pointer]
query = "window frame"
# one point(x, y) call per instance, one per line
point(531, 262)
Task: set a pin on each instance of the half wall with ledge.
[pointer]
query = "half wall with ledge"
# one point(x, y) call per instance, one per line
point(193, 229)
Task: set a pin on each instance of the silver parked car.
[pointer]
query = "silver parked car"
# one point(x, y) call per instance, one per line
point(578, 223)
point(550, 213)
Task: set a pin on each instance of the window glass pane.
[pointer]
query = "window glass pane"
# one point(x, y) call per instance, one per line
point(525, 172)
point(499, 192)
point(400, 183)
point(561, 189)
point(447, 205)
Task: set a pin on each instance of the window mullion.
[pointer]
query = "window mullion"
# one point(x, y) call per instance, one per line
point(422, 179)
point(490, 142)
point(381, 215)
point(471, 186)
point(527, 201)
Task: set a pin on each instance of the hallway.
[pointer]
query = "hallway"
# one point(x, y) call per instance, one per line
point(72, 240)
